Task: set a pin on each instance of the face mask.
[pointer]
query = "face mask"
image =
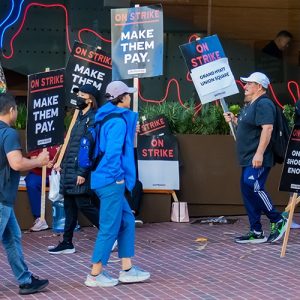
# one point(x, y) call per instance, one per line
point(80, 103)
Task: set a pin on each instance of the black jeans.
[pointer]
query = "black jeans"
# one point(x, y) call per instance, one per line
point(86, 204)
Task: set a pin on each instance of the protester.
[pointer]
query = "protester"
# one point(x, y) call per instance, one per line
point(75, 181)
point(254, 129)
point(277, 46)
point(11, 163)
point(34, 186)
point(115, 171)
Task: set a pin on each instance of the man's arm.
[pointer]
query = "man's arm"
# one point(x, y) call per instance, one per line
point(264, 141)
point(20, 163)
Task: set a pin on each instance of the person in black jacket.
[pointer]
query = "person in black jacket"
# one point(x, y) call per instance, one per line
point(75, 181)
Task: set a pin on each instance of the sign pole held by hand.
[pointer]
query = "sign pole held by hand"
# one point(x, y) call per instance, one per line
point(64, 146)
point(44, 175)
point(231, 124)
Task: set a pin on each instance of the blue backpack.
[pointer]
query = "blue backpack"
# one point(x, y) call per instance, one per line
point(89, 155)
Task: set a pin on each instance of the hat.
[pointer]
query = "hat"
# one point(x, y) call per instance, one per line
point(88, 89)
point(117, 88)
point(257, 77)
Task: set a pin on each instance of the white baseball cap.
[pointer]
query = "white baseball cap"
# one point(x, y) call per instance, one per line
point(257, 77)
point(117, 88)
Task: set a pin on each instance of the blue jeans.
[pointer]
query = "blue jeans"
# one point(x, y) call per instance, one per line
point(10, 235)
point(34, 191)
point(116, 223)
point(256, 200)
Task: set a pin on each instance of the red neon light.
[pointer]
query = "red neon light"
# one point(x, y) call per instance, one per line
point(66, 26)
point(188, 78)
point(291, 92)
point(193, 36)
point(23, 21)
point(166, 94)
point(94, 32)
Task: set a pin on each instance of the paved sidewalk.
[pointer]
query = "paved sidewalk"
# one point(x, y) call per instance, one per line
point(180, 267)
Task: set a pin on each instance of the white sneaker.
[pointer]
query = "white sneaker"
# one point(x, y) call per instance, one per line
point(139, 223)
point(135, 274)
point(103, 280)
point(39, 225)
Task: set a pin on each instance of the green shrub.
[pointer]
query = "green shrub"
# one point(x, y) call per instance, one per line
point(289, 112)
point(22, 116)
point(209, 120)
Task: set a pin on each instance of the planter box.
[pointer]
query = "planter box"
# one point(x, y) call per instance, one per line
point(210, 176)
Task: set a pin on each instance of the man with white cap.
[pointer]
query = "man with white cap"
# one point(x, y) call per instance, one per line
point(254, 130)
point(114, 172)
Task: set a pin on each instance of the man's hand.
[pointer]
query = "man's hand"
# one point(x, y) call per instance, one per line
point(138, 128)
point(43, 158)
point(257, 160)
point(80, 180)
point(230, 117)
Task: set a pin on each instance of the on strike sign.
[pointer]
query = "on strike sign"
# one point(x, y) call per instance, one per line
point(158, 162)
point(290, 179)
point(45, 109)
point(137, 42)
point(209, 68)
point(87, 65)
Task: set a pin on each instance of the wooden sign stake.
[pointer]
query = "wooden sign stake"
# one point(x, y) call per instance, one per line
point(289, 223)
point(44, 175)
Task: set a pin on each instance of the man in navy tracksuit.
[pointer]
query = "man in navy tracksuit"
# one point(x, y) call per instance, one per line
point(254, 130)
point(115, 171)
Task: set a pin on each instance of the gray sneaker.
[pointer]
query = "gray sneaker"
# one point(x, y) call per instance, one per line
point(135, 274)
point(102, 280)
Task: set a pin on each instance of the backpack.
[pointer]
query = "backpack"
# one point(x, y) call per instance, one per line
point(280, 136)
point(89, 155)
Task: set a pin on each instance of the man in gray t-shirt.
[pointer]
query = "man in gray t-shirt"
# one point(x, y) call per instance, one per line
point(11, 163)
point(254, 131)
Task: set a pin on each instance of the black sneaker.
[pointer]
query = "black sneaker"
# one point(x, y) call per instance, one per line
point(277, 230)
point(35, 286)
point(62, 248)
point(252, 237)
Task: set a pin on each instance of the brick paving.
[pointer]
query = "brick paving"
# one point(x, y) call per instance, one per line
point(180, 267)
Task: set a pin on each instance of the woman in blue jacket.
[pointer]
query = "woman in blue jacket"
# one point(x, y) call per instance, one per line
point(115, 171)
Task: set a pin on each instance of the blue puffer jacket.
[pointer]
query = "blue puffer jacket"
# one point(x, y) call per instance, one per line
point(116, 142)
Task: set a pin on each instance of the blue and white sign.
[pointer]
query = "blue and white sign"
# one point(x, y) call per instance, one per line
point(209, 68)
point(137, 42)
point(214, 80)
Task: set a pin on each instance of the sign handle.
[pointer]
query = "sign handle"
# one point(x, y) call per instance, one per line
point(231, 124)
point(43, 192)
point(289, 223)
point(135, 104)
point(67, 138)
point(44, 175)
